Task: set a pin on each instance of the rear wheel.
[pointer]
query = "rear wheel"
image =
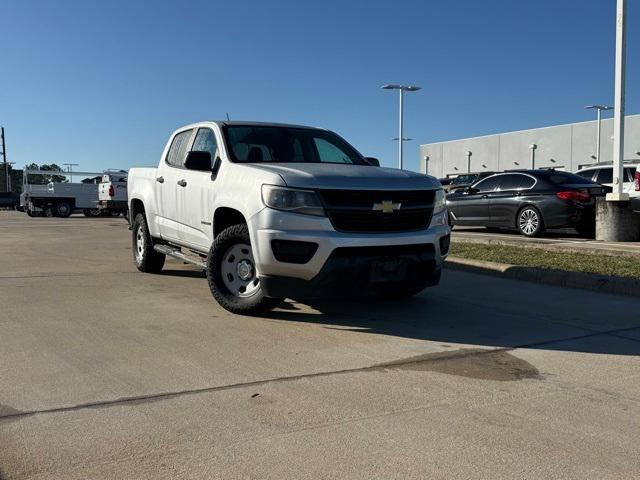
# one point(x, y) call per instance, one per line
point(145, 257)
point(232, 275)
point(529, 222)
point(63, 210)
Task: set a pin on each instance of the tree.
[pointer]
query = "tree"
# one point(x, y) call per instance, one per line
point(45, 179)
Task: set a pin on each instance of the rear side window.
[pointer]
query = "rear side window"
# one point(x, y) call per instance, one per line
point(515, 181)
point(178, 149)
point(605, 175)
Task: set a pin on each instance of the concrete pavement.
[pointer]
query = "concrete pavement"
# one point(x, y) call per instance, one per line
point(109, 373)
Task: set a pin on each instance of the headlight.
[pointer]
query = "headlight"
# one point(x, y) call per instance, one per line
point(439, 202)
point(440, 215)
point(292, 200)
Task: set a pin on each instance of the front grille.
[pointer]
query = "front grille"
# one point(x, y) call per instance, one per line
point(353, 210)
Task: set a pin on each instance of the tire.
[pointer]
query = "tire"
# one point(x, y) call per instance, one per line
point(91, 212)
point(147, 260)
point(31, 213)
point(529, 221)
point(231, 251)
point(63, 210)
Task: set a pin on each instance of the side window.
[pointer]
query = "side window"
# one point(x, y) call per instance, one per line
point(605, 175)
point(629, 173)
point(515, 181)
point(508, 182)
point(206, 142)
point(489, 184)
point(329, 153)
point(588, 174)
point(178, 149)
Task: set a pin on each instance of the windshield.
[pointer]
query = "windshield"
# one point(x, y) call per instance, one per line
point(258, 144)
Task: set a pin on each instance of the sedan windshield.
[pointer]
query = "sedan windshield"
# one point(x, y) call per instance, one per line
point(257, 144)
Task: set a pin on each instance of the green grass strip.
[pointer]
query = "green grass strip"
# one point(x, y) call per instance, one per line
point(536, 257)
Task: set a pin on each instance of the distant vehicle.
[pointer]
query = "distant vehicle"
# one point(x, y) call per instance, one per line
point(602, 173)
point(465, 180)
point(529, 201)
point(274, 211)
point(112, 193)
point(9, 200)
point(445, 181)
point(58, 199)
point(635, 200)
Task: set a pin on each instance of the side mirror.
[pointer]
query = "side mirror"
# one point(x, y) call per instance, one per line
point(197, 160)
point(470, 190)
point(374, 162)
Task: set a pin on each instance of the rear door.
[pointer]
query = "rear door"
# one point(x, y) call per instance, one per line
point(196, 194)
point(473, 208)
point(170, 171)
point(506, 199)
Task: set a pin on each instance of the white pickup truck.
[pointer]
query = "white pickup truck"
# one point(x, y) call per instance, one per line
point(112, 193)
point(275, 211)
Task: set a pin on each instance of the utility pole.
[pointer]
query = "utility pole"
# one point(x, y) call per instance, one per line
point(401, 139)
point(618, 104)
point(533, 147)
point(599, 109)
point(7, 182)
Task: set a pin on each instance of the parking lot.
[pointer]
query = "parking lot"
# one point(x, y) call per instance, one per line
point(109, 373)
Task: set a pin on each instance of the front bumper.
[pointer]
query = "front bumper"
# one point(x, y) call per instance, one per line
point(341, 259)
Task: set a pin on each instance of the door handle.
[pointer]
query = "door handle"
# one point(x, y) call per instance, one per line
point(160, 179)
point(485, 196)
point(182, 183)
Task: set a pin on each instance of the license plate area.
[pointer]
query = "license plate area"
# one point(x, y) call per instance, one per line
point(389, 269)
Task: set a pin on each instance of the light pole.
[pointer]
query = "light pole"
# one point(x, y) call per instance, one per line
point(618, 103)
point(533, 147)
point(70, 170)
point(401, 89)
point(468, 154)
point(6, 164)
point(599, 109)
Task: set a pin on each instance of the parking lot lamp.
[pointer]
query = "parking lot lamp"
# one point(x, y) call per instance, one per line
point(533, 147)
point(401, 89)
point(468, 154)
point(599, 109)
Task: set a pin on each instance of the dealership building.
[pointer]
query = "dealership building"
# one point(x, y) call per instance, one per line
point(564, 147)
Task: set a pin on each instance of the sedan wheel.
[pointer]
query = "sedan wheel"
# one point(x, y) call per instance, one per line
point(530, 222)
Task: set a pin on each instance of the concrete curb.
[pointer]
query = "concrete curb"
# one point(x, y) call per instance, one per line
point(586, 281)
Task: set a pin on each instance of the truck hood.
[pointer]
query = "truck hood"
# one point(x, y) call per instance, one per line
point(355, 177)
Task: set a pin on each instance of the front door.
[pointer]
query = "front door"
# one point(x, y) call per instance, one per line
point(196, 196)
point(472, 207)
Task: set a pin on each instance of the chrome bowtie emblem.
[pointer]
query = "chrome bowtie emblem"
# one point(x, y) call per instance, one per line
point(386, 206)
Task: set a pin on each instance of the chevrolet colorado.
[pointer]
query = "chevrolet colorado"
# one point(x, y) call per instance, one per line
point(275, 211)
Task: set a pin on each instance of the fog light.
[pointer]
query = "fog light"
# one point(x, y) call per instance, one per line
point(445, 243)
point(292, 251)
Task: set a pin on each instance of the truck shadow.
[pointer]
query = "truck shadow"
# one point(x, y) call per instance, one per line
point(568, 320)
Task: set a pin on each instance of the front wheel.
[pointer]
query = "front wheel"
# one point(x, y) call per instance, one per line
point(232, 274)
point(145, 257)
point(530, 223)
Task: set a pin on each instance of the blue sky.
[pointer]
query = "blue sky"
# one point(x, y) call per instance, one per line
point(104, 83)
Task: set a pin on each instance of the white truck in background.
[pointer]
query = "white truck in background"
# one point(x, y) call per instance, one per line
point(60, 198)
point(112, 193)
point(275, 211)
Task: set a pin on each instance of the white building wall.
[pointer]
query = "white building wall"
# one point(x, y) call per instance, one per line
point(564, 146)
